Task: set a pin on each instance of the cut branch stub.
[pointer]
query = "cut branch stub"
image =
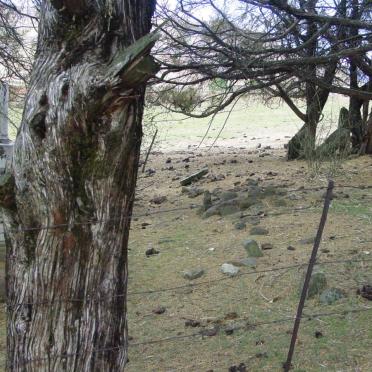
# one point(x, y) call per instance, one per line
point(133, 63)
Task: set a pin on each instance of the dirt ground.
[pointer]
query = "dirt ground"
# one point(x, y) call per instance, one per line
point(215, 322)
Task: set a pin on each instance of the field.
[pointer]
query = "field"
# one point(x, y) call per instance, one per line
point(244, 304)
point(216, 322)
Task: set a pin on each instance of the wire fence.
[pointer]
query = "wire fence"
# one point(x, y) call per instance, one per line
point(204, 333)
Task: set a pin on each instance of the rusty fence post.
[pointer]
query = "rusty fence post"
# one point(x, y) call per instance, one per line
point(288, 364)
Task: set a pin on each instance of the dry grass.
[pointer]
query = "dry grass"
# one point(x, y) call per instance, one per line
point(186, 241)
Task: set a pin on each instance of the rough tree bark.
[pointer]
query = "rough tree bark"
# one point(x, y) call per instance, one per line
point(75, 166)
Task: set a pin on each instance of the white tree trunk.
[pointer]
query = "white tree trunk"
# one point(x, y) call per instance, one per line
point(75, 166)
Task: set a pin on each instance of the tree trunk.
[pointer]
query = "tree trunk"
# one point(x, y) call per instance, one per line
point(366, 147)
point(71, 190)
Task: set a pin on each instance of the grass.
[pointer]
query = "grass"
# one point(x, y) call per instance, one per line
point(185, 241)
point(257, 298)
point(250, 119)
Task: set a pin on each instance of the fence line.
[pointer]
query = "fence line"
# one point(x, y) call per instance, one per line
point(189, 285)
point(202, 333)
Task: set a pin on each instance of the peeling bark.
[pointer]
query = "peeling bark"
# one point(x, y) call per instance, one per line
point(75, 165)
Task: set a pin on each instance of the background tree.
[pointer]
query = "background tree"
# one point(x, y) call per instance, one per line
point(284, 48)
point(70, 191)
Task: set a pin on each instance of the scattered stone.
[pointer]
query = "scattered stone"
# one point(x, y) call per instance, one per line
point(240, 225)
point(192, 192)
point(192, 323)
point(258, 146)
point(193, 274)
point(229, 269)
point(158, 200)
point(210, 332)
point(231, 316)
point(266, 246)
point(145, 224)
point(194, 177)
point(215, 178)
point(331, 295)
point(240, 368)
point(317, 285)
point(366, 291)
point(257, 230)
point(291, 248)
point(150, 172)
point(252, 248)
point(233, 161)
point(159, 310)
point(151, 252)
point(228, 195)
point(248, 262)
point(168, 161)
point(318, 334)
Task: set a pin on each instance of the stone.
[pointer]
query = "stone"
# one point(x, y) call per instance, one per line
point(151, 252)
point(194, 177)
point(207, 200)
point(192, 192)
point(291, 248)
point(229, 269)
point(247, 262)
point(257, 230)
point(246, 202)
point(266, 246)
point(317, 285)
point(193, 274)
point(228, 195)
point(159, 310)
point(331, 295)
point(192, 323)
point(226, 209)
point(252, 248)
point(158, 199)
point(240, 225)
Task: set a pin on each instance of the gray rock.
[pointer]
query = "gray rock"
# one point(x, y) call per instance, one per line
point(193, 274)
point(318, 283)
point(266, 246)
point(252, 248)
point(228, 195)
point(247, 262)
point(223, 209)
point(158, 199)
point(226, 208)
point(229, 269)
point(240, 225)
point(257, 230)
point(331, 295)
point(192, 192)
point(246, 202)
point(207, 200)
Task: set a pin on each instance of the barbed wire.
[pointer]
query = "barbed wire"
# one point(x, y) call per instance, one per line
point(89, 299)
point(204, 334)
